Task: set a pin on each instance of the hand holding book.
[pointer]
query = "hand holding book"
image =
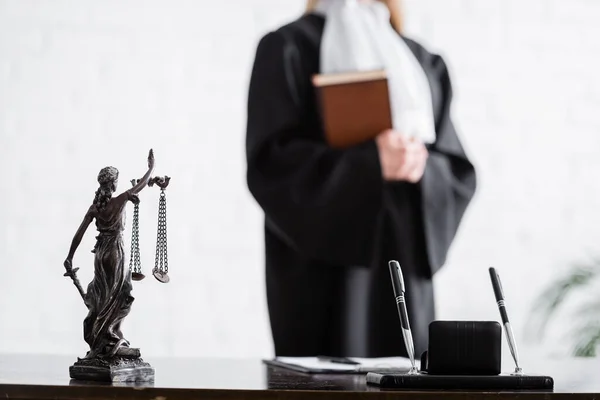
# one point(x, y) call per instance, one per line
point(355, 108)
point(401, 158)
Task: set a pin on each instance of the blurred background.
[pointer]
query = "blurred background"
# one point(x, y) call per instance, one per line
point(88, 84)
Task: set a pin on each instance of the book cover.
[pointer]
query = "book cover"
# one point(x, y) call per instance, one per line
point(355, 106)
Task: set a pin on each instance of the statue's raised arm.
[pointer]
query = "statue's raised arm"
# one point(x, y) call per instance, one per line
point(146, 178)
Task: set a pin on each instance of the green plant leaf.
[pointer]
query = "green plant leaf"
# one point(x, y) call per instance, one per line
point(587, 331)
point(556, 293)
point(587, 340)
point(588, 311)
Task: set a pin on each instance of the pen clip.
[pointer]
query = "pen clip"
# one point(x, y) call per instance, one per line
point(398, 280)
point(499, 284)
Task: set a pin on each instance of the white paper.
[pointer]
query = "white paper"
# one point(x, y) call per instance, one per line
point(366, 364)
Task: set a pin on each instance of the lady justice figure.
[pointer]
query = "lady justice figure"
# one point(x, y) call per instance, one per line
point(108, 296)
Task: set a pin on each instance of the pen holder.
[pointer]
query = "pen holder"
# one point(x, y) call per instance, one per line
point(463, 348)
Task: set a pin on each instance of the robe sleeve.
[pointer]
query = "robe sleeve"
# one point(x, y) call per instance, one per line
point(322, 202)
point(449, 182)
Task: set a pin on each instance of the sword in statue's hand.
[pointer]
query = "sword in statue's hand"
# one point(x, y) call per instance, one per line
point(72, 272)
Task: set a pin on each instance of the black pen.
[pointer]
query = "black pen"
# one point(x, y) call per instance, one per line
point(399, 289)
point(338, 360)
point(499, 294)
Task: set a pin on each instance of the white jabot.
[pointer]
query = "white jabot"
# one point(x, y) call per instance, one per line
point(358, 36)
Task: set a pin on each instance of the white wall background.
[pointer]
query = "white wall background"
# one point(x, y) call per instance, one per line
point(88, 84)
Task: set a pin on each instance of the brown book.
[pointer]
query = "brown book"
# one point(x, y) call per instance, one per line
point(355, 106)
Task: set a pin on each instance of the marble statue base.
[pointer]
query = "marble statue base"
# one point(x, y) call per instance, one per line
point(125, 366)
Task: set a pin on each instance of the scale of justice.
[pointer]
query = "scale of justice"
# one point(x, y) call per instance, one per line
point(108, 298)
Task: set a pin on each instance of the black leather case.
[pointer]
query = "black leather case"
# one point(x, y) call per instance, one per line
point(464, 348)
point(461, 382)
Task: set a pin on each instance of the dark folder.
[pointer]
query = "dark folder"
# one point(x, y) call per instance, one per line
point(460, 382)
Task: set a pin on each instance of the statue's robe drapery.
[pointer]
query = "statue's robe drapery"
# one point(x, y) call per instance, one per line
point(108, 295)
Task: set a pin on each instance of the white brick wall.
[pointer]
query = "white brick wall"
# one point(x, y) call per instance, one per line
point(87, 84)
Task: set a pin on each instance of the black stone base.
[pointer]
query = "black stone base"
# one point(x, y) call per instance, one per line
point(116, 369)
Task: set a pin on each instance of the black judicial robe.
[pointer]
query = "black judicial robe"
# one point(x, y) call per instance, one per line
point(331, 222)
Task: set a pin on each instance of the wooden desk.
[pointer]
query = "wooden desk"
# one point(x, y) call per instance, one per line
point(47, 377)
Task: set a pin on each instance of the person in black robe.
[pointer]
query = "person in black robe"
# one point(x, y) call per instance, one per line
point(332, 222)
